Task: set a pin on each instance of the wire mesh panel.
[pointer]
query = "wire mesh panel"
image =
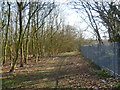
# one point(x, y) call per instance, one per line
point(106, 56)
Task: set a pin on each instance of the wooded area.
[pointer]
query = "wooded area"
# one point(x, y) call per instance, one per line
point(33, 31)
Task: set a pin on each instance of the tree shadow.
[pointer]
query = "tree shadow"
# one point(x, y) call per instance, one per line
point(24, 79)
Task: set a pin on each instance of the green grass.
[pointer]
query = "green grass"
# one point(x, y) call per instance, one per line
point(10, 82)
point(117, 86)
point(103, 74)
point(94, 65)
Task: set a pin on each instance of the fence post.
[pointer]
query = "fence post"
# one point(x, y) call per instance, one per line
point(99, 51)
point(118, 58)
point(114, 60)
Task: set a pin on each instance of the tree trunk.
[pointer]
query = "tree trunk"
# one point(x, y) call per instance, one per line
point(19, 43)
point(21, 53)
point(14, 60)
point(26, 52)
point(6, 35)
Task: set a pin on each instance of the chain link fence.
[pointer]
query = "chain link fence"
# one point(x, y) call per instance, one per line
point(105, 56)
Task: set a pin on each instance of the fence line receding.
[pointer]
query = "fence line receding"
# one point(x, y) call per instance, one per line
point(105, 56)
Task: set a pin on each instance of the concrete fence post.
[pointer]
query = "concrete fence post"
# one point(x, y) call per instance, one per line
point(118, 58)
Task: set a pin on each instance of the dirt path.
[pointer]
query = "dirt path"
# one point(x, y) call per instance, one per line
point(61, 72)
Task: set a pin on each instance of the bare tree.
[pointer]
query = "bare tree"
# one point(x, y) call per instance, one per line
point(107, 14)
point(6, 34)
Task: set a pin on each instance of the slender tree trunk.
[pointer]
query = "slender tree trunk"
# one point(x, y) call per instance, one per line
point(21, 53)
point(27, 40)
point(19, 43)
point(11, 55)
point(6, 35)
point(26, 52)
point(14, 60)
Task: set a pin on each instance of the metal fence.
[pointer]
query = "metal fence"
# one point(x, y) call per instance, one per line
point(105, 56)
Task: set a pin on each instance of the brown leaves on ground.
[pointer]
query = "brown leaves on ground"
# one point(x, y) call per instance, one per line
point(70, 71)
point(83, 75)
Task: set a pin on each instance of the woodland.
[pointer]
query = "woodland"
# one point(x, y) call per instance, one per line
point(39, 50)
